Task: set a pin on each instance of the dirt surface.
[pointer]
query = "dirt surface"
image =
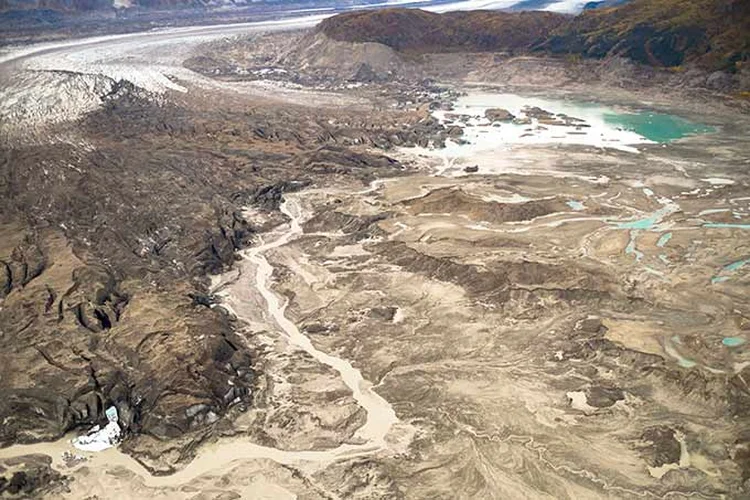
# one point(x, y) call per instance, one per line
point(287, 286)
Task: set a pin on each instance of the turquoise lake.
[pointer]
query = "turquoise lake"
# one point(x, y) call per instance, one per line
point(657, 127)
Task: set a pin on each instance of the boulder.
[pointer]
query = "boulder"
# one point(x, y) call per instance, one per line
point(604, 397)
point(538, 113)
point(365, 74)
point(455, 131)
point(498, 115)
point(385, 313)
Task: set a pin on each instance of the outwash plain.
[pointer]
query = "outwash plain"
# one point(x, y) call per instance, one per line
point(301, 263)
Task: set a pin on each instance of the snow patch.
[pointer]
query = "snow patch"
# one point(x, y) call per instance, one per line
point(718, 181)
point(578, 401)
point(566, 6)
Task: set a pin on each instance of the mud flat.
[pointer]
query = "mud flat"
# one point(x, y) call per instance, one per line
point(524, 321)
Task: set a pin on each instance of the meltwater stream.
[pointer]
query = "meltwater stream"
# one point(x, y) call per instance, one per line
point(380, 414)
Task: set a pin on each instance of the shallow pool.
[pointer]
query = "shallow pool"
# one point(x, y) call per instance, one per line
point(656, 127)
point(724, 225)
point(728, 269)
point(663, 240)
point(733, 341)
point(576, 205)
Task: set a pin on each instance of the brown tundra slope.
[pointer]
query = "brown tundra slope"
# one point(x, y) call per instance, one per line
point(712, 33)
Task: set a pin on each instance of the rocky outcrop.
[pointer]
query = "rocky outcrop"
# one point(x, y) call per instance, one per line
point(332, 220)
point(498, 115)
point(342, 160)
point(30, 476)
point(457, 201)
point(269, 196)
point(521, 286)
point(358, 62)
point(25, 262)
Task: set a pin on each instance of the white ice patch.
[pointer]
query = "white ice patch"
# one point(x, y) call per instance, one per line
point(471, 5)
point(99, 439)
point(398, 317)
point(718, 181)
point(578, 401)
point(513, 198)
point(482, 135)
point(567, 6)
point(712, 211)
point(33, 99)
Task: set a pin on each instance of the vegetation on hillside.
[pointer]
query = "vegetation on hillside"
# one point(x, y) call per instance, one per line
point(712, 33)
point(411, 30)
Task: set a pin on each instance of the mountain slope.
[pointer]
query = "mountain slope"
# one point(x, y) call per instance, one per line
point(411, 30)
point(714, 34)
